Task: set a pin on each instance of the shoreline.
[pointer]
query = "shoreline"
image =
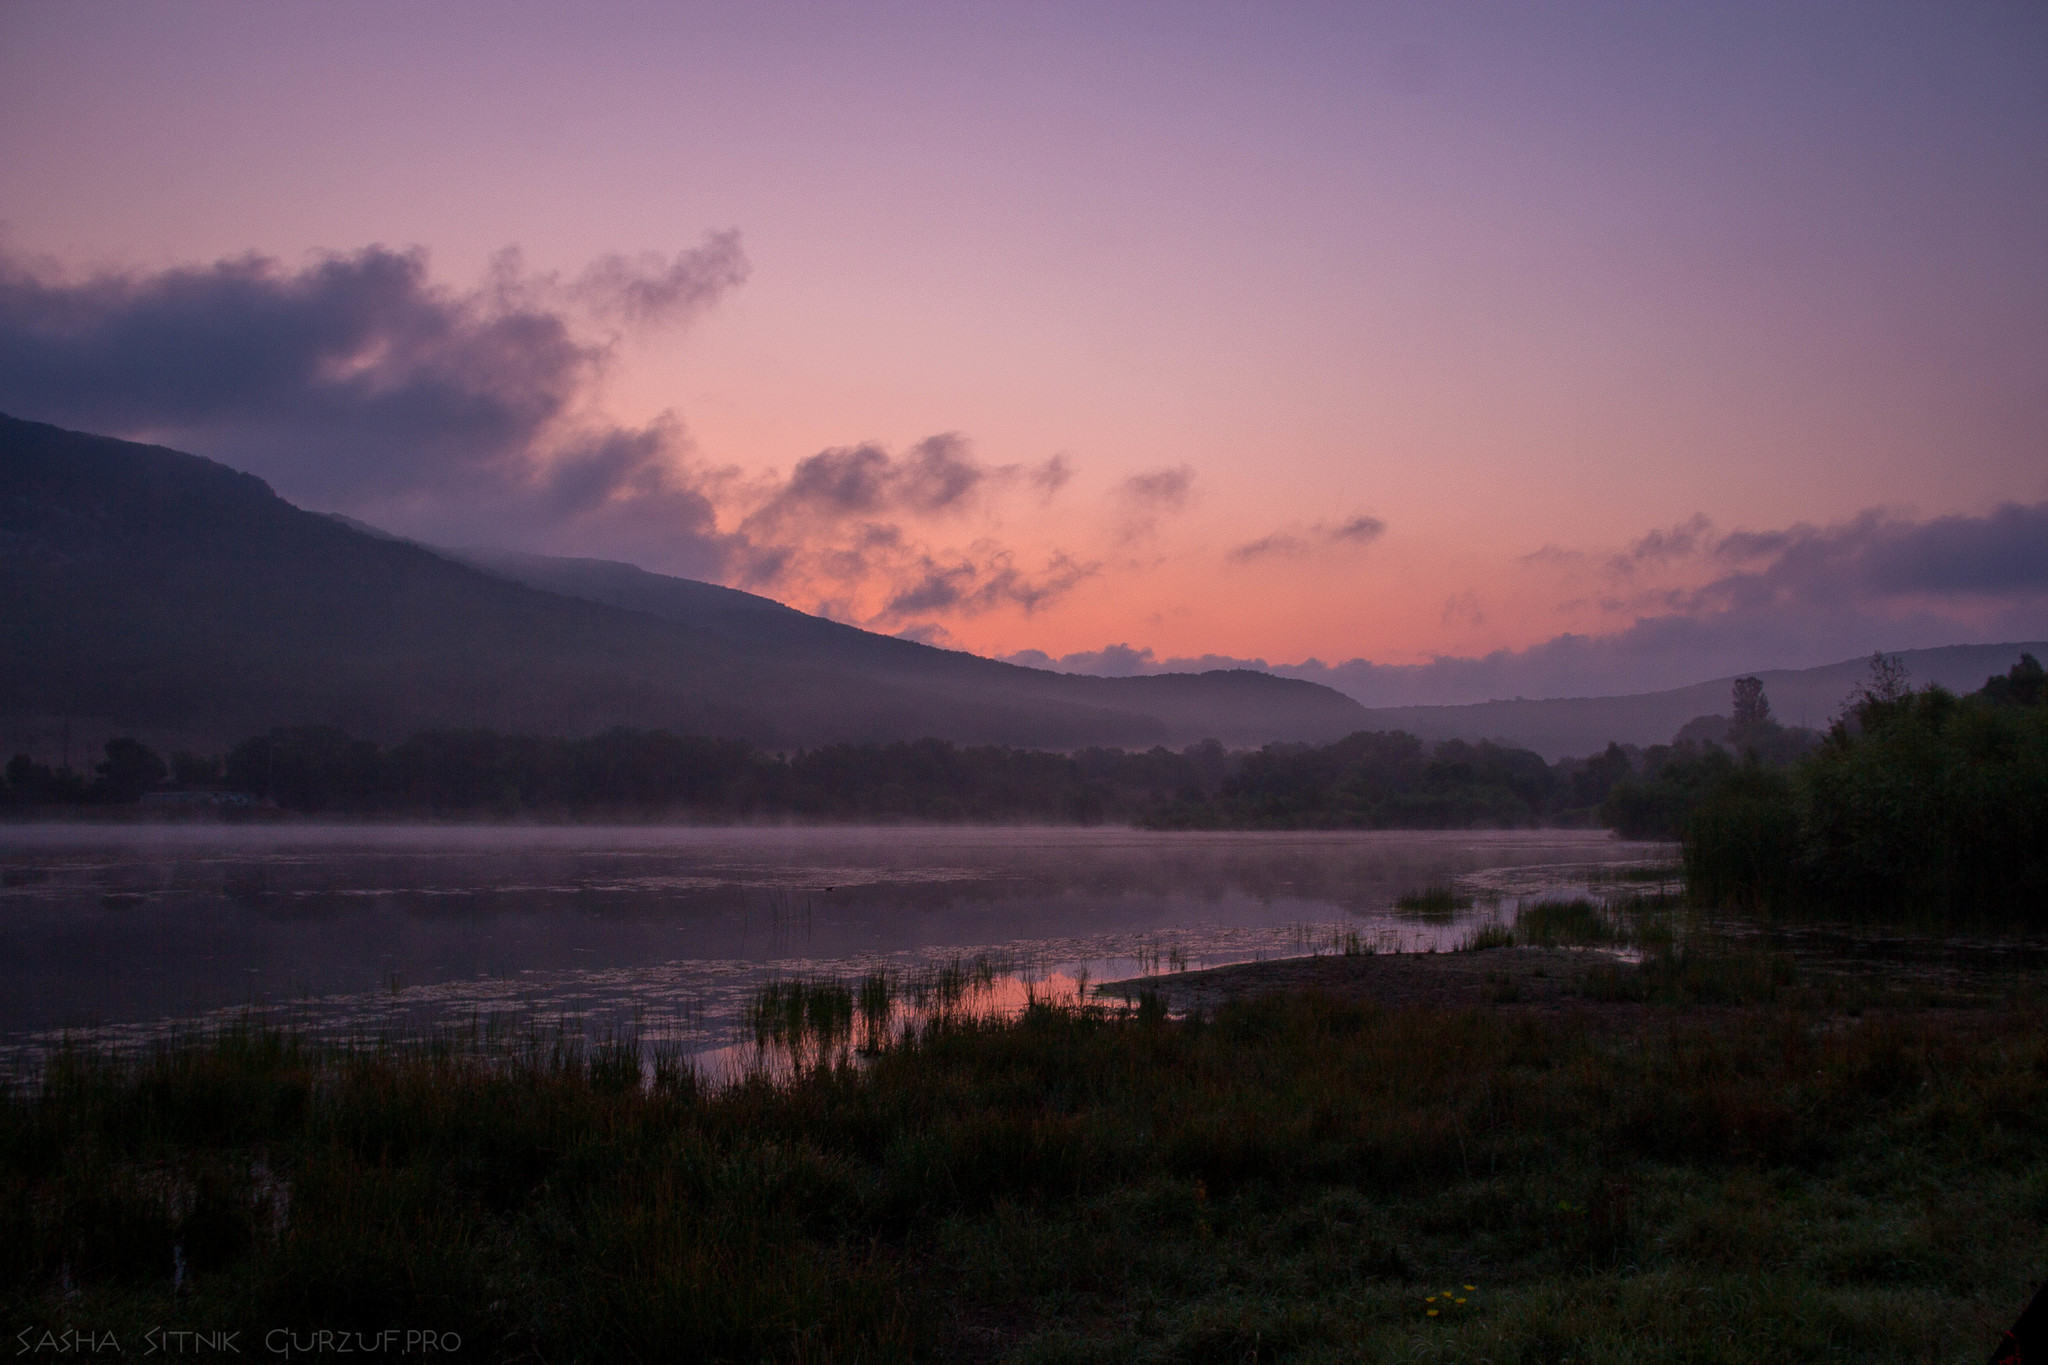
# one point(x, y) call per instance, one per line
point(1519, 979)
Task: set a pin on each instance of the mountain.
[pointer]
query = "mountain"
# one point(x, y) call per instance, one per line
point(162, 594)
point(1563, 726)
point(1209, 704)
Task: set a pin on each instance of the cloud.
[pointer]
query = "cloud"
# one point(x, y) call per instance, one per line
point(2003, 553)
point(1050, 477)
point(1746, 601)
point(1111, 661)
point(1160, 490)
point(1359, 530)
point(939, 474)
point(649, 291)
point(354, 383)
point(1279, 543)
point(967, 586)
point(1146, 497)
point(1465, 607)
point(855, 523)
point(1659, 546)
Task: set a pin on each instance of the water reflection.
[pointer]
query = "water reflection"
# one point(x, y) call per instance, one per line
point(113, 931)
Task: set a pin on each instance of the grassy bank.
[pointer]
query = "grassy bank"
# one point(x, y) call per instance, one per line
point(1289, 1179)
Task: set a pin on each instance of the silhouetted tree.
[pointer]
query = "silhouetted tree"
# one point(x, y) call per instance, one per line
point(194, 771)
point(1889, 683)
point(131, 769)
point(1751, 706)
point(1598, 775)
point(2025, 684)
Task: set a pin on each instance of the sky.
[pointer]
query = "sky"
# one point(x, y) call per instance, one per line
point(1435, 351)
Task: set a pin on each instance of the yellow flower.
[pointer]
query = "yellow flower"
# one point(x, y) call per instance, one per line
point(1430, 1299)
point(1460, 1300)
point(1471, 1286)
point(1432, 1312)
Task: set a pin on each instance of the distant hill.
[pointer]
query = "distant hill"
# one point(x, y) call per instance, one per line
point(1564, 726)
point(159, 593)
point(1215, 704)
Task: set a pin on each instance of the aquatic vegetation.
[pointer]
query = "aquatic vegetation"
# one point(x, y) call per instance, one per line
point(799, 1012)
point(1441, 900)
point(1568, 923)
point(1488, 936)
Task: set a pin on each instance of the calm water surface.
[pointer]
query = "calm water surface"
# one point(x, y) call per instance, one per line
point(112, 932)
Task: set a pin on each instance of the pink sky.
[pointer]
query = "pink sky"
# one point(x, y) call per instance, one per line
point(1522, 285)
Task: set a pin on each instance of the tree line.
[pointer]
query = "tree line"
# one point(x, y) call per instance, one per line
point(1911, 795)
point(1367, 780)
point(1916, 803)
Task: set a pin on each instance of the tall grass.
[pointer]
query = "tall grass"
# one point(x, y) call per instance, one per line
point(1637, 921)
point(1288, 1179)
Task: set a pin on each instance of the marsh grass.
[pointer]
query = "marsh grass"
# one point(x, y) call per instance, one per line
point(1439, 901)
point(1576, 923)
point(1487, 936)
point(1289, 1179)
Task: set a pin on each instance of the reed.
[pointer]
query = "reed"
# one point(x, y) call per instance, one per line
point(1431, 902)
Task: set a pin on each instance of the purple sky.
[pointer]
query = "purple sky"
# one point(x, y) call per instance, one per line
point(1703, 338)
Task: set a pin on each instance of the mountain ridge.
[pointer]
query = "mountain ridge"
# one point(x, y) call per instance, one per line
point(1556, 727)
point(164, 592)
point(1561, 727)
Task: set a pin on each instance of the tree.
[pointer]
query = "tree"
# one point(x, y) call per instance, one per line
point(2026, 684)
point(1889, 681)
point(1752, 707)
point(194, 771)
point(131, 769)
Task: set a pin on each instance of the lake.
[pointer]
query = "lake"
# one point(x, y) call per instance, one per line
point(111, 932)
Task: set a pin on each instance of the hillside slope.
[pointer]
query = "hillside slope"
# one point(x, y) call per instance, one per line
point(1214, 704)
point(159, 593)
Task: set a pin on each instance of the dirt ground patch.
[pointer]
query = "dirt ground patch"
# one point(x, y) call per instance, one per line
point(1539, 980)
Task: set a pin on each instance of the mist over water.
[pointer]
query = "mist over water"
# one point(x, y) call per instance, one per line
point(115, 932)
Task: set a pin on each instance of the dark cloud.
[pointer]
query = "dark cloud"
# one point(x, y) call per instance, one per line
point(1144, 498)
point(350, 373)
point(966, 586)
point(356, 384)
point(1160, 490)
point(1360, 530)
point(939, 474)
point(851, 517)
point(1661, 546)
point(650, 291)
point(848, 516)
point(2000, 554)
point(1278, 544)
point(2004, 552)
point(1050, 477)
